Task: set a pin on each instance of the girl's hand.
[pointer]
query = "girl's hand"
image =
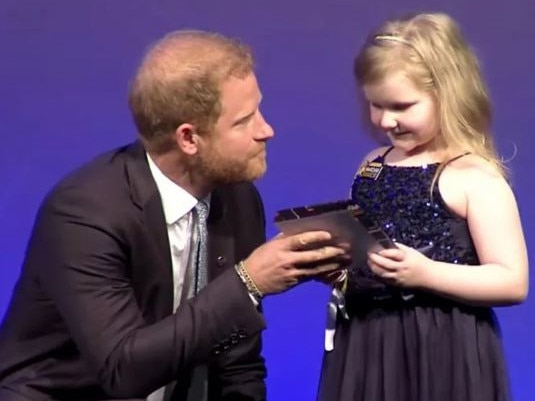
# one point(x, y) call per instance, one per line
point(402, 266)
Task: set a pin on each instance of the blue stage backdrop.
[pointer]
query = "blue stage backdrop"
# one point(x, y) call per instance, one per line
point(64, 69)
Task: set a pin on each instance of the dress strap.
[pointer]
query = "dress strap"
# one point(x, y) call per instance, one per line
point(443, 166)
point(455, 158)
point(382, 157)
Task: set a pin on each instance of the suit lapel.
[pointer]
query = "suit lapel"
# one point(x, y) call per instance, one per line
point(146, 197)
point(221, 243)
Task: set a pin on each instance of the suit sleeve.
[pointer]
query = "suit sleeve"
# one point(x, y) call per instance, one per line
point(84, 263)
point(242, 370)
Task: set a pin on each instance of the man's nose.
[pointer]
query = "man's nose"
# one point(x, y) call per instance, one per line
point(266, 131)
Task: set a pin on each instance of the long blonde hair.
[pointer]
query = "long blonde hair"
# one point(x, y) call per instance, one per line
point(430, 49)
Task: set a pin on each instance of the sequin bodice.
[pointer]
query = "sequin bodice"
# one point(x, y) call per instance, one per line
point(400, 202)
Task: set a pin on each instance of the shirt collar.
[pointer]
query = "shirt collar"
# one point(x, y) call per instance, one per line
point(176, 201)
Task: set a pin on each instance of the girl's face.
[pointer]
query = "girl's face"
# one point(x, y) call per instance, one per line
point(406, 114)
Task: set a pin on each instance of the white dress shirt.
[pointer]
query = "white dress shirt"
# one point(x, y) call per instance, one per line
point(178, 206)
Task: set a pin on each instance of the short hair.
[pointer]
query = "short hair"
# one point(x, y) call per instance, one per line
point(179, 82)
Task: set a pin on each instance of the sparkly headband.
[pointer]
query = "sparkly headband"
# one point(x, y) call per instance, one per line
point(393, 38)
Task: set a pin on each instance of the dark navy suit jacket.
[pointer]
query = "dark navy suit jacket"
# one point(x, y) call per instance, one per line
point(91, 315)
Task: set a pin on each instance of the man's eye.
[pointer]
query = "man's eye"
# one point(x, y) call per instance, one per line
point(244, 120)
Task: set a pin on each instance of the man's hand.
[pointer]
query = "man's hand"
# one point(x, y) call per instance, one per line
point(285, 261)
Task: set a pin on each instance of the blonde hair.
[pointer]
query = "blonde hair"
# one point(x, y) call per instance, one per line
point(179, 82)
point(430, 49)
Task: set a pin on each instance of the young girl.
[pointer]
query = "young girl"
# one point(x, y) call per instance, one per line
point(424, 330)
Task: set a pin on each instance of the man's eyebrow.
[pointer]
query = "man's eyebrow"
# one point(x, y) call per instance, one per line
point(243, 119)
point(246, 117)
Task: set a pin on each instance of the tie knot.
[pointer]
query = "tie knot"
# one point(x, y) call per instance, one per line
point(201, 208)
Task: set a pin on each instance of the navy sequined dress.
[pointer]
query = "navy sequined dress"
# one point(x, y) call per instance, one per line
point(413, 346)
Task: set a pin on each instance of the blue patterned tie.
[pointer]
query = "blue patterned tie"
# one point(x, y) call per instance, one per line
point(198, 390)
point(200, 266)
point(198, 386)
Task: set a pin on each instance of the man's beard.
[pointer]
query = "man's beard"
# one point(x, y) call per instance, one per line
point(218, 169)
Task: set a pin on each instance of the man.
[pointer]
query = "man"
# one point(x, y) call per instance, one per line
point(111, 302)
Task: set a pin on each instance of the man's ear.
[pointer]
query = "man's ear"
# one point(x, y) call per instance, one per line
point(187, 138)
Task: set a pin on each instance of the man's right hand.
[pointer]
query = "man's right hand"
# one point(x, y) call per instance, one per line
point(285, 261)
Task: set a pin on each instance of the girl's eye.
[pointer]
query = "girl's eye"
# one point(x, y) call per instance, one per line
point(401, 106)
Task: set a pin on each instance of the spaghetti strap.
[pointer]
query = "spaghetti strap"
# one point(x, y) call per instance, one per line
point(456, 158)
point(382, 157)
point(445, 164)
point(440, 170)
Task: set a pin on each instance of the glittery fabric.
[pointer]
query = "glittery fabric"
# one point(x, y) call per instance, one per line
point(401, 203)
